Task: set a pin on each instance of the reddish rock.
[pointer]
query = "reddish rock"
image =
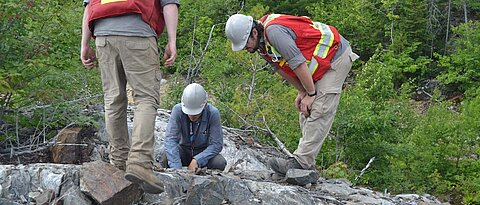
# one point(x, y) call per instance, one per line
point(106, 184)
point(67, 149)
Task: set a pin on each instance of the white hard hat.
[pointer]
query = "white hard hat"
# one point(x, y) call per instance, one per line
point(238, 30)
point(194, 99)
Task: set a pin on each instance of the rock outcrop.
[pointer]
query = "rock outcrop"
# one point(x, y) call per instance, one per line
point(246, 180)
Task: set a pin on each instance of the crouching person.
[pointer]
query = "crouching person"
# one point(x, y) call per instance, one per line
point(194, 136)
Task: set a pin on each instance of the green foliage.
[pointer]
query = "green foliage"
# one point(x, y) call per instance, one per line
point(461, 67)
point(173, 93)
point(387, 71)
point(39, 65)
point(353, 19)
point(337, 170)
point(39, 54)
point(292, 7)
point(432, 150)
point(48, 119)
point(448, 141)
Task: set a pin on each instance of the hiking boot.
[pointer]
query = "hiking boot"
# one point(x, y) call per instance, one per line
point(281, 166)
point(144, 177)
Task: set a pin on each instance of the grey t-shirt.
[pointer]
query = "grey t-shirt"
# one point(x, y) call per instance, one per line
point(125, 25)
point(283, 39)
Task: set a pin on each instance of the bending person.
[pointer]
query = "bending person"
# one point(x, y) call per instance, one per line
point(311, 56)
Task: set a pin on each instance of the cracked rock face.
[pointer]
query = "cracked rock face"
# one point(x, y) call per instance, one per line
point(246, 180)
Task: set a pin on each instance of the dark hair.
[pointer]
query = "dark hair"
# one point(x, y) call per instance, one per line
point(258, 26)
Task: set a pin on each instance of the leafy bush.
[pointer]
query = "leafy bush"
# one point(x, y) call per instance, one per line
point(462, 66)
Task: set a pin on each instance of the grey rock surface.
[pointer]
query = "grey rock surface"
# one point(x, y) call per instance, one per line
point(247, 180)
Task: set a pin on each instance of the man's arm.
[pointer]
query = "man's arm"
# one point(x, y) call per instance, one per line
point(170, 14)
point(87, 55)
point(305, 103)
point(283, 39)
point(172, 138)
point(216, 140)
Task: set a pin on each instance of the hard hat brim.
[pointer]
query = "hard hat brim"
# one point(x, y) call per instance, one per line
point(239, 47)
point(192, 111)
point(239, 37)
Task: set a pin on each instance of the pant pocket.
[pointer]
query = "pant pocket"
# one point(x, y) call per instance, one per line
point(353, 56)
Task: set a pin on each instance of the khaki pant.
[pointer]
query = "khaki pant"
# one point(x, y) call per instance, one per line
point(136, 60)
point(315, 128)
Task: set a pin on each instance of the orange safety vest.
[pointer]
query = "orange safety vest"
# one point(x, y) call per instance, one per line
point(317, 42)
point(150, 10)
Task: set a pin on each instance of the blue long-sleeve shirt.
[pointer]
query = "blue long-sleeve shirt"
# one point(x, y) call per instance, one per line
point(208, 137)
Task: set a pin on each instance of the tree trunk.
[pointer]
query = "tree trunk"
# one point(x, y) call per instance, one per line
point(448, 26)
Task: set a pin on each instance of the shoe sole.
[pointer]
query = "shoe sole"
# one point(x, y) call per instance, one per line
point(149, 188)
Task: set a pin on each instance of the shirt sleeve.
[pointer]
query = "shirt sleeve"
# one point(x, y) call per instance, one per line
point(165, 2)
point(172, 138)
point(283, 40)
point(216, 139)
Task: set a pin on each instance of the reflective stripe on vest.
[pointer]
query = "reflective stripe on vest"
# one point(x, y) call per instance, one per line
point(321, 50)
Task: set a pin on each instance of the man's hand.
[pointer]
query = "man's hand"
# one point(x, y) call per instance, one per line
point(306, 105)
point(193, 165)
point(87, 55)
point(170, 53)
point(298, 100)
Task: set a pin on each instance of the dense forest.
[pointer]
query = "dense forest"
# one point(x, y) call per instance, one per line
point(412, 101)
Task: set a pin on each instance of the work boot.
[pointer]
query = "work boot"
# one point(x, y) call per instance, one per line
point(144, 177)
point(281, 166)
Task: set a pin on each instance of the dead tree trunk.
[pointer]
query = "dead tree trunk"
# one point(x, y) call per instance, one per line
point(448, 26)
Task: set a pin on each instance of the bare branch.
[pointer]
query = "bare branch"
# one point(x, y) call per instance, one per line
point(364, 169)
point(194, 71)
point(279, 143)
point(448, 26)
point(189, 73)
point(46, 106)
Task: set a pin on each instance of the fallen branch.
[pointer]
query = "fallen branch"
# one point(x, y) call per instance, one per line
point(15, 151)
point(364, 169)
point(275, 138)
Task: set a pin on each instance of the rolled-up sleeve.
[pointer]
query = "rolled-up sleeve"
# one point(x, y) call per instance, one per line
point(216, 140)
point(165, 2)
point(172, 138)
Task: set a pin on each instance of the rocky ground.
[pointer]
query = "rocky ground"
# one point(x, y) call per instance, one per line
point(77, 173)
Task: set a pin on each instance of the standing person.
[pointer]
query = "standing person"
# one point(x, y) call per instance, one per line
point(311, 56)
point(126, 34)
point(194, 136)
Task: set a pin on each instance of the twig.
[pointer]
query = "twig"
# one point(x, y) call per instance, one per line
point(190, 71)
point(52, 141)
point(241, 8)
point(197, 67)
point(16, 129)
point(163, 112)
point(67, 144)
point(13, 152)
point(448, 26)
point(364, 169)
point(279, 143)
point(238, 115)
point(328, 199)
point(46, 106)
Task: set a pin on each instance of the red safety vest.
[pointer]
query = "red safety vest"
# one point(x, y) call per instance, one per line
point(151, 11)
point(317, 42)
